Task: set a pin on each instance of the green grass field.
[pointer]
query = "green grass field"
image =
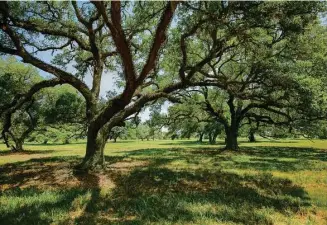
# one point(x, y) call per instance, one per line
point(167, 182)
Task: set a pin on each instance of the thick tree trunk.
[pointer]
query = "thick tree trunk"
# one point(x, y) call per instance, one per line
point(213, 137)
point(201, 137)
point(18, 147)
point(231, 138)
point(251, 136)
point(94, 157)
point(232, 129)
point(18, 143)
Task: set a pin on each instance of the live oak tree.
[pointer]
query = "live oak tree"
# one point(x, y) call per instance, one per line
point(117, 132)
point(279, 105)
point(267, 82)
point(308, 63)
point(89, 34)
point(15, 77)
point(63, 104)
point(88, 39)
point(309, 53)
point(62, 112)
point(143, 131)
point(187, 119)
point(260, 93)
point(155, 123)
point(260, 81)
point(60, 107)
point(23, 123)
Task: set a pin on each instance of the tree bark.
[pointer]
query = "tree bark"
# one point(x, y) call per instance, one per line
point(231, 138)
point(94, 157)
point(214, 137)
point(210, 138)
point(201, 137)
point(18, 147)
point(251, 136)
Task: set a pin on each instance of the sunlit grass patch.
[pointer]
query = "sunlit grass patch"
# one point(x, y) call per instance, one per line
point(31, 206)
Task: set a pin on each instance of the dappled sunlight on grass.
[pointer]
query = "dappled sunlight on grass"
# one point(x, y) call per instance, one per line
point(166, 182)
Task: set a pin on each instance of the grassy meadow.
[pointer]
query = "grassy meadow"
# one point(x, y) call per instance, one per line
point(167, 182)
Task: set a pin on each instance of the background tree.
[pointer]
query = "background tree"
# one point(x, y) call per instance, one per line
point(261, 81)
point(62, 116)
point(155, 123)
point(117, 132)
point(143, 131)
point(15, 77)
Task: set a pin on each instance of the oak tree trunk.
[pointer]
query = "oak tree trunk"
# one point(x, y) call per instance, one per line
point(94, 157)
point(201, 137)
point(251, 136)
point(18, 147)
point(214, 137)
point(231, 138)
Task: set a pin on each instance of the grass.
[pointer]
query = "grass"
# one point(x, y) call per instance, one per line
point(167, 182)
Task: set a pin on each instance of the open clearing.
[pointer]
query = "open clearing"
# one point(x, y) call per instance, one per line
point(167, 182)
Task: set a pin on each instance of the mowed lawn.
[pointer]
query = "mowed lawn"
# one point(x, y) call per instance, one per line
point(167, 182)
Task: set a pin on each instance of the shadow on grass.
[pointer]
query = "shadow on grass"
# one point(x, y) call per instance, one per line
point(220, 142)
point(27, 152)
point(286, 152)
point(46, 172)
point(284, 159)
point(189, 143)
point(163, 195)
point(265, 165)
point(54, 144)
point(34, 206)
point(149, 152)
point(301, 153)
point(142, 195)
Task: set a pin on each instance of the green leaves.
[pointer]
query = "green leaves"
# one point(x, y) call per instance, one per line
point(63, 105)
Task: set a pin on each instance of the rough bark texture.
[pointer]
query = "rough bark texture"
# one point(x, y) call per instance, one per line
point(94, 157)
point(231, 138)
